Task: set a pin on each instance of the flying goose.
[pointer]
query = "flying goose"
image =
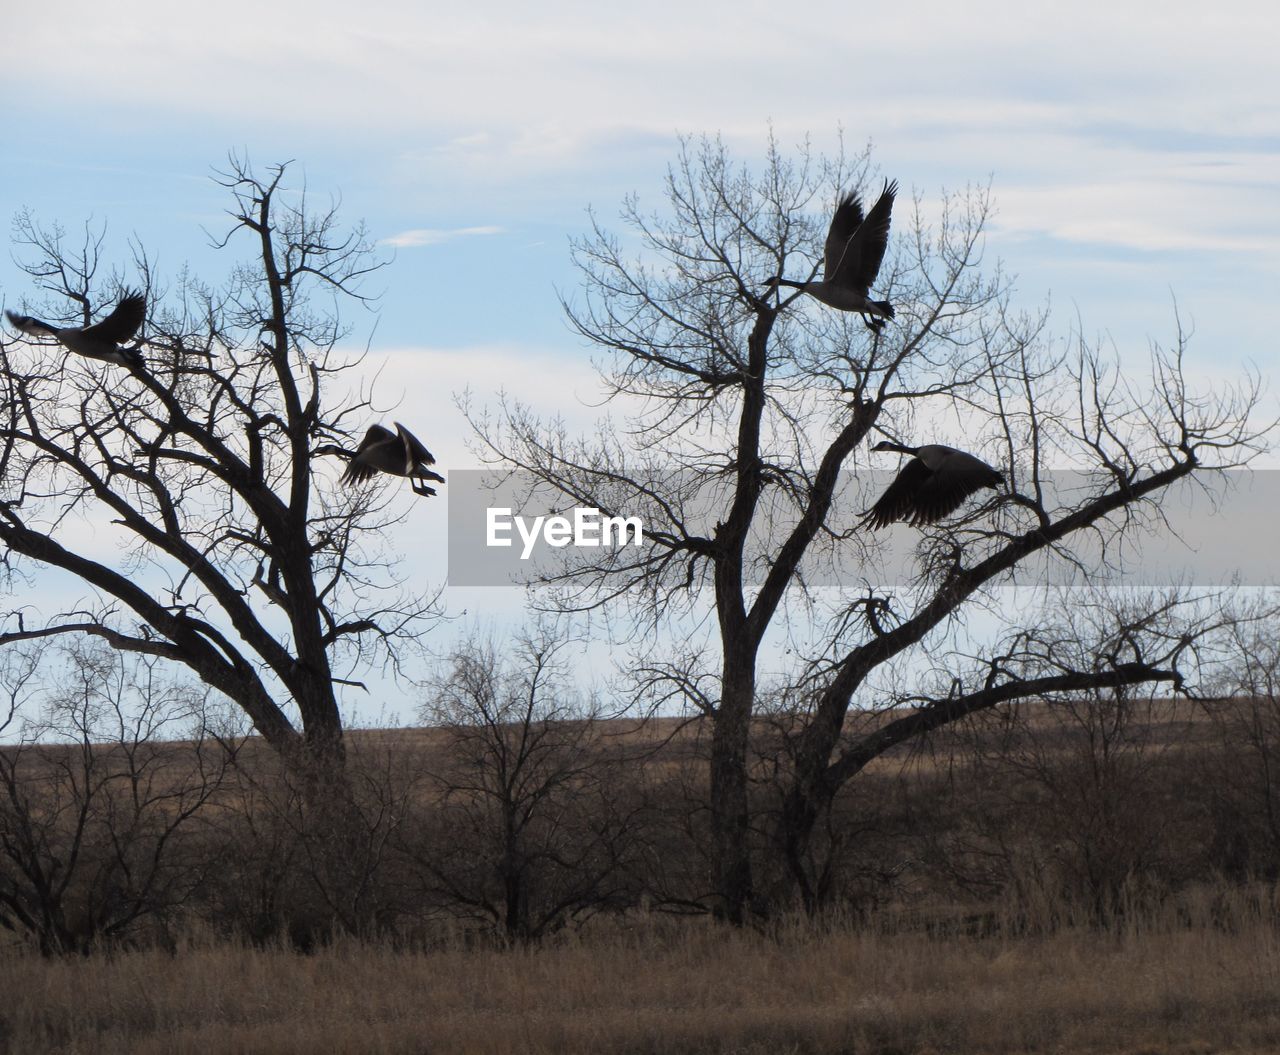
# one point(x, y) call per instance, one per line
point(102, 340)
point(398, 453)
point(932, 485)
point(851, 258)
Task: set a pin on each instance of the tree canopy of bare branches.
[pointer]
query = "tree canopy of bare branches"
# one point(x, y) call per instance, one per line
point(195, 498)
point(532, 796)
point(95, 805)
point(758, 397)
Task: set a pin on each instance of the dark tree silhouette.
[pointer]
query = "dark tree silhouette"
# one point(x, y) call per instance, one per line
point(97, 802)
point(219, 540)
point(534, 816)
point(744, 413)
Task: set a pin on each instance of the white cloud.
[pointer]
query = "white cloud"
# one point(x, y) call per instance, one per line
point(547, 73)
point(420, 386)
point(1133, 215)
point(1148, 200)
point(1105, 128)
point(518, 97)
point(420, 236)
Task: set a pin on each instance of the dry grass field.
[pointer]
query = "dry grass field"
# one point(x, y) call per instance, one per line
point(1178, 958)
point(1205, 978)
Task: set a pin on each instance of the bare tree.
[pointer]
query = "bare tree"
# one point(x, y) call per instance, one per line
point(304, 875)
point(1083, 807)
point(1245, 775)
point(96, 796)
point(533, 820)
point(221, 542)
point(741, 414)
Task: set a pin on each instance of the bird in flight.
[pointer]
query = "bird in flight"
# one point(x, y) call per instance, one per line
point(399, 453)
point(103, 339)
point(932, 485)
point(852, 255)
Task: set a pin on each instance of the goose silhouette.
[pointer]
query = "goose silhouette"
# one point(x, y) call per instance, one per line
point(932, 485)
point(398, 453)
point(852, 256)
point(100, 341)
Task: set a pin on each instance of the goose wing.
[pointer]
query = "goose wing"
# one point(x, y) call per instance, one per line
point(369, 455)
point(847, 219)
point(956, 477)
point(123, 322)
point(899, 499)
point(862, 256)
point(27, 324)
point(416, 456)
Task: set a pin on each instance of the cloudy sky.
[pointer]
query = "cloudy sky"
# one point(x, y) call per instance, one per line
point(1133, 149)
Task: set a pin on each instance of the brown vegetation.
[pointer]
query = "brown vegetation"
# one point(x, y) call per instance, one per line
point(1096, 875)
point(1201, 978)
point(1056, 814)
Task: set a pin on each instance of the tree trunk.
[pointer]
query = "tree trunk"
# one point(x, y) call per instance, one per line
point(801, 809)
point(730, 822)
point(809, 795)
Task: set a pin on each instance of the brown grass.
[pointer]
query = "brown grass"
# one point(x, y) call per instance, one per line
point(1206, 979)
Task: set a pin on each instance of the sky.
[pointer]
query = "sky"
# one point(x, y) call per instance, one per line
point(1133, 153)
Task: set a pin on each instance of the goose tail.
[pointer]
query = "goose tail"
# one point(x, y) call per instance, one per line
point(132, 358)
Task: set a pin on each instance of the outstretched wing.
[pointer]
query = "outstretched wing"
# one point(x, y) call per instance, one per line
point(375, 437)
point(959, 476)
point(368, 457)
point(357, 472)
point(123, 322)
point(29, 325)
point(899, 498)
point(415, 453)
point(862, 257)
point(847, 219)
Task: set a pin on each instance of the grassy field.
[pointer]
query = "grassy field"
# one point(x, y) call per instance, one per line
point(1186, 962)
point(1205, 978)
